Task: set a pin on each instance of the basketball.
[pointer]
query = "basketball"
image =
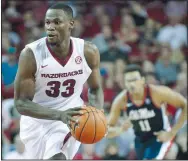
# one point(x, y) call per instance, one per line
point(92, 126)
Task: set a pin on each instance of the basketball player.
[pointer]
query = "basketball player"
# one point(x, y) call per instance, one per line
point(144, 105)
point(48, 85)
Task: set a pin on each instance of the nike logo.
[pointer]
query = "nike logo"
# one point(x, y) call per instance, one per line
point(42, 66)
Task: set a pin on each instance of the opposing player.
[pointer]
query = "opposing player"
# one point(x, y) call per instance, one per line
point(48, 85)
point(145, 108)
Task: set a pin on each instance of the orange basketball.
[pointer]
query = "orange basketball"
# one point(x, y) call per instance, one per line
point(92, 126)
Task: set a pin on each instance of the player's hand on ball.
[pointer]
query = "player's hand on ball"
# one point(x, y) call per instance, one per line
point(164, 136)
point(67, 116)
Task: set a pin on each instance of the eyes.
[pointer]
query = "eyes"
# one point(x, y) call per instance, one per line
point(56, 22)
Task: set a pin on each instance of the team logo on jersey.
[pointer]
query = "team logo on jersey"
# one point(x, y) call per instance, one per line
point(147, 101)
point(143, 113)
point(78, 59)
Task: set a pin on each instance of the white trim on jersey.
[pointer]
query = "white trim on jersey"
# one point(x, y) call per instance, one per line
point(166, 124)
point(164, 149)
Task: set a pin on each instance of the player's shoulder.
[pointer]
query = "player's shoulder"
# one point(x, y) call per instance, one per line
point(158, 88)
point(27, 57)
point(26, 52)
point(121, 97)
point(36, 42)
point(90, 49)
point(29, 48)
point(77, 39)
point(158, 92)
point(91, 53)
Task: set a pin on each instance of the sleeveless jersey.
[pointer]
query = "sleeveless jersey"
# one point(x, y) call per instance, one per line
point(146, 118)
point(59, 83)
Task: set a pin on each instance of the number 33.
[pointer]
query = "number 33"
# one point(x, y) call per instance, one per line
point(55, 85)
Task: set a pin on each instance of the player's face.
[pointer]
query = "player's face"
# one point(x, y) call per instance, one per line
point(134, 82)
point(57, 25)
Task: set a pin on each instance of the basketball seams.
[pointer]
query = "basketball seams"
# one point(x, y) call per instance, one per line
point(87, 123)
point(95, 125)
point(84, 126)
point(101, 118)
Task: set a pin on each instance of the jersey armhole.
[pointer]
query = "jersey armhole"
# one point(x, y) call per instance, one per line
point(150, 94)
point(81, 49)
point(85, 61)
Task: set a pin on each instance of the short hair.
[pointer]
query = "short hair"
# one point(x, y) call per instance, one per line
point(67, 9)
point(133, 68)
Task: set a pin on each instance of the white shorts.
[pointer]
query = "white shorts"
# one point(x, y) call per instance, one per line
point(44, 140)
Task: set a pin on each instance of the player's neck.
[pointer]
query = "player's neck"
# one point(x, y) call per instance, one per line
point(138, 96)
point(61, 50)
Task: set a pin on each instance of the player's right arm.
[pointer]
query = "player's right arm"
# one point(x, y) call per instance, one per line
point(24, 87)
point(117, 105)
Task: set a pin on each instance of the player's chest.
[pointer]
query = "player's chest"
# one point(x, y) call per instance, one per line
point(51, 71)
point(51, 65)
point(146, 111)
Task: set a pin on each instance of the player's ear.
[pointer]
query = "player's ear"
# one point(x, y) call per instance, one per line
point(71, 24)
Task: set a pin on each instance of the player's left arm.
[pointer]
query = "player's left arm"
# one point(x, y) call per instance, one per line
point(163, 94)
point(95, 92)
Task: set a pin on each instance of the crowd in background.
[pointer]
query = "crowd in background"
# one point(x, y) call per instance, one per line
point(152, 34)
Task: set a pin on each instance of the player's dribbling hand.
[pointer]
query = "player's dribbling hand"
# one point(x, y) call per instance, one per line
point(67, 116)
point(164, 136)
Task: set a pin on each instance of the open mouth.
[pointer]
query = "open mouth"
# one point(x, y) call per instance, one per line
point(51, 36)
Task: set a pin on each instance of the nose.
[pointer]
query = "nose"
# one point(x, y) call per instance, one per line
point(51, 27)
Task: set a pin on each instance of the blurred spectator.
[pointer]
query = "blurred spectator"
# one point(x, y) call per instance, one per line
point(11, 119)
point(177, 56)
point(111, 152)
point(149, 30)
point(181, 140)
point(174, 33)
point(87, 153)
point(39, 9)
point(78, 27)
point(155, 10)
point(5, 35)
point(6, 116)
point(9, 68)
point(151, 78)
point(11, 11)
point(7, 92)
point(124, 142)
point(113, 60)
point(151, 53)
point(100, 40)
point(109, 92)
point(9, 37)
point(181, 85)
point(128, 33)
point(148, 67)
point(165, 70)
point(183, 67)
point(176, 8)
point(138, 12)
point(19, 152)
